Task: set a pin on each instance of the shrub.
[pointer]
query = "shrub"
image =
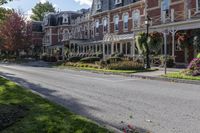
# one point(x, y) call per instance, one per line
point(90, 59)
point(74, 59)
point(119, 55)
point(198, 56)
point(100, 55)
point(170, 61)
point(113, 60)
point(52, 59)
point(194, 67)
point(126, 65)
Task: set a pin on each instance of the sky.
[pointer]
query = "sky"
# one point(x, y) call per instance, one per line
point(63, 5)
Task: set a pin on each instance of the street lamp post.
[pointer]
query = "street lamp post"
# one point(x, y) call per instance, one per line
point(147, 23)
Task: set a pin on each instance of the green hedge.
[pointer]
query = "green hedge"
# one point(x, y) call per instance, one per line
point(74, 59)
point(113, 60)
point(126, 65)
point(90, 59)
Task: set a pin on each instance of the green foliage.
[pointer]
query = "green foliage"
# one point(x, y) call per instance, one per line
point(100, 55)
point(182, 75)
point(90, 59)
point(198, 56)
point(74, 59)
point(126, 65)
point(141, 42)
point(3, 13)
point(113, 60)
point(43, 116)
point(4, 1)
point(40, 9)
point(153, 43)
point(170, 61)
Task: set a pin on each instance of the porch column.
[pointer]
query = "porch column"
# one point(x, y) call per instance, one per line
point(104, 56)
point(133, 47)
point(126, 49)
point(112, 48)
point(96, 48)
point(121, 47)
point(78, 49)
point(173, 44)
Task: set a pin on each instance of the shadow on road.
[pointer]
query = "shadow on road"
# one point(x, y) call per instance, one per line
point(71, 103)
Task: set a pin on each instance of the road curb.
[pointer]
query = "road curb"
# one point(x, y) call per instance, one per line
point(159, 78)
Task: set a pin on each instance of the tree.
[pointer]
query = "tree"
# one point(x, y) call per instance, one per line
point(4, 1)
point(40, 9)
point(3, 13)
point(149, 45)
point(15, 34)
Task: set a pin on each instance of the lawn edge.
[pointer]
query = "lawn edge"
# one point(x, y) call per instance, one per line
point(106, 126)
point(134, 75)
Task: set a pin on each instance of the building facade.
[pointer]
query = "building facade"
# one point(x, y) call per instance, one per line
point(110, 27)
point(37, 38)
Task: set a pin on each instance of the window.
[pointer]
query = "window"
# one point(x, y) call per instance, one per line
point(125, 21)
point(97, 26)
point(116, 23)
point(65, 18)
point(118, 2)
point(198, 5)
point(165, 4)
point(105, 24)
point(99, 5)
point(136, 19)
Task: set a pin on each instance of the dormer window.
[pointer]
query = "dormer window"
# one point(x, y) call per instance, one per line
point(99, 5)
point(65, 18)
point(118, 2)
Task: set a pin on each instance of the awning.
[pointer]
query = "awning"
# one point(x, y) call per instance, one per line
point(116, 38)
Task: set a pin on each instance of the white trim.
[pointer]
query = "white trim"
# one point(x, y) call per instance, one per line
point(197, 6)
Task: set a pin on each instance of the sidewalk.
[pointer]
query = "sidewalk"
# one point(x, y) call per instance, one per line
point(157, 75)
point(161, 71)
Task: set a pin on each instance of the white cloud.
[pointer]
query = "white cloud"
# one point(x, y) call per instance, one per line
point(84, 2)
point(43, 1)
point(7, 7)
point(28, 15)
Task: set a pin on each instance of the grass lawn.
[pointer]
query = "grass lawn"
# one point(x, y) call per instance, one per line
point(41, 116)
point(180, 75)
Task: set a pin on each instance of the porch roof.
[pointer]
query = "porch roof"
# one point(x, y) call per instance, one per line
point(116, 38)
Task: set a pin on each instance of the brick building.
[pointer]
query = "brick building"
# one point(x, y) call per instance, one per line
point(110, 26)
point(37, 38)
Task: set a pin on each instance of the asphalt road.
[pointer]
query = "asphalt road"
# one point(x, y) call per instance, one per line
point(161, 107)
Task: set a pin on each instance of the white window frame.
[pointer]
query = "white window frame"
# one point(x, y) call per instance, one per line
point(197, 6)
point(97, 25)
point(99, 5)
point(124, 21)
point(114, 19)
point(138, 19)
point(105, 24)
point(118, 2)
